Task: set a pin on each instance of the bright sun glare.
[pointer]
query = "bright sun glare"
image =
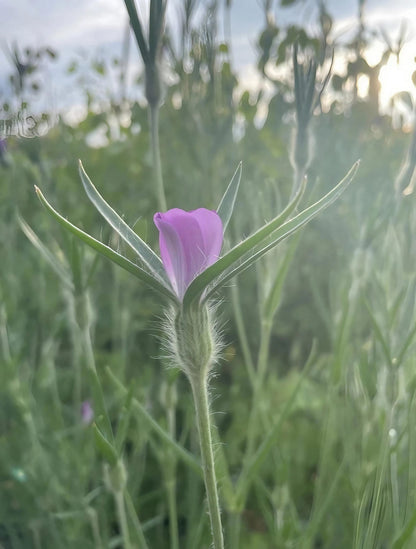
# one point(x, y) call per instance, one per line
point(396, 77)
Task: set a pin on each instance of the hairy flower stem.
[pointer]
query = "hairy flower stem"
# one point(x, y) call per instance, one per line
point(199, 384)
point(157, 165)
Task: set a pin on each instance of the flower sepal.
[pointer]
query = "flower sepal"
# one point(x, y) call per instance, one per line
point(192, 338)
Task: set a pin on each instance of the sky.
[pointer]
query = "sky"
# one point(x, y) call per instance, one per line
point(83, 29)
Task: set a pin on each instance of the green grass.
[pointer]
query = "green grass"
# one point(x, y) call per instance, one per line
point(314, 400)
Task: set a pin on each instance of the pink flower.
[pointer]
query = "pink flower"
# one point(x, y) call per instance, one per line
point(189, 243)
point(87, 412)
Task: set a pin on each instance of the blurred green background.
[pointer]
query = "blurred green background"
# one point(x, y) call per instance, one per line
point(340, 470)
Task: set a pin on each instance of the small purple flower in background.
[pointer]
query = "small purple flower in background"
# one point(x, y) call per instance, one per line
point(189, 243)
point(87, 413)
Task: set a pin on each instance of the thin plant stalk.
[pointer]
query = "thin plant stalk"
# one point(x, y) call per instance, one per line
point(99, 403)
point(134, 520)
point(157, 164)
point(242, 333)
point(199, 386)
point(170, 470)
point(76, 352)
point(122, 518)
point(172, 508)
point(95, 527)
point(146, 418)
point(262, 362)
point(234, 530)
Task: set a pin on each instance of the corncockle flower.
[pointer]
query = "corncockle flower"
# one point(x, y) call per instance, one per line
point(189, 273)
point(189, 243)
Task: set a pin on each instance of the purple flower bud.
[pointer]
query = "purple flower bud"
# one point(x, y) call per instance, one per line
point(189, 243)
point(87, 413)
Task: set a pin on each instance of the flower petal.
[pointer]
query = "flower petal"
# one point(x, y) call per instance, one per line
point(212, 233)
point(189, 243)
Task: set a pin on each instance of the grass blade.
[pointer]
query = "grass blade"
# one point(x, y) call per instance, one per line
point(250, 470)
point(144, 417)
point(46, 254)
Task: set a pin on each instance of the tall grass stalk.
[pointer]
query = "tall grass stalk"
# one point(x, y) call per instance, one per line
point(122, 517)
point(155, 147)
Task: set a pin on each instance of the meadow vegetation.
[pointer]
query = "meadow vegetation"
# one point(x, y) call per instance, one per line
point(313, 398)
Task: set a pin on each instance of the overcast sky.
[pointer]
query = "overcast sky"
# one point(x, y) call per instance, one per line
point(89, 27)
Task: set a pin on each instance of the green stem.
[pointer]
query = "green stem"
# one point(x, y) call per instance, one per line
point(122, 518)
point(173, 515)
point(257, 400)
point(298, 175)
point(76, 352)
point(200, 393)
point(234, 529)
point(144, 416)
point(157, 165)
point(170, 472)
point(99, 404)
point(134, 519)
point(242, 333)
point(263, 358)
point(92, 515)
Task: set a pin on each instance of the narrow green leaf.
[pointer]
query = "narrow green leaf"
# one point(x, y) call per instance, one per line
point(406, 533)
point(379, 334)
point(104, 447)
point(145, 253)
point(274, 229)
point(91, 271)
point(199, 284)
point(46, 254)
point(226, 207)
point(124, 419)
point(137, 527)
point(325, 505)
point(145, 418)
point(274, 296)
point(249, 471)
point(406, 345)
point(137, 29)
point(107, 251)
point(76, 265)
point(156, 18)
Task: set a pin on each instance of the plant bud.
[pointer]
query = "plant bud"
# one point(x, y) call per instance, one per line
point(115, 478)
point(194, 341)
